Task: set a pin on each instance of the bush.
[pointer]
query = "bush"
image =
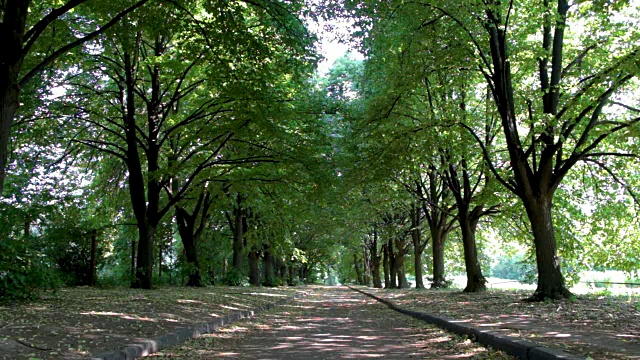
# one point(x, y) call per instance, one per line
point(271, 281)
point(515, 267)
point(235, 277)
point(23, 273)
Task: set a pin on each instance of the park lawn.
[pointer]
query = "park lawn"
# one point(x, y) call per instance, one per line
point(73, 323)
point(612, 323)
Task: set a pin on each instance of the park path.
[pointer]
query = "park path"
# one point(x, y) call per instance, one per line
point(331, 323)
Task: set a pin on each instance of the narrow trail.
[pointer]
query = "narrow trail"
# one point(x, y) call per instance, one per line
point(331, 323)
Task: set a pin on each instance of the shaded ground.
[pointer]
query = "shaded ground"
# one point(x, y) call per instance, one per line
point(74, 323)
point(590, 326)
point(331, 323)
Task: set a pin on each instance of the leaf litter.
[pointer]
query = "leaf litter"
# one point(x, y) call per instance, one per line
point(74, 323)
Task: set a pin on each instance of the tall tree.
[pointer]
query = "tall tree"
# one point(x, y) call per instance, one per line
point(31, 44)
point(581, 107)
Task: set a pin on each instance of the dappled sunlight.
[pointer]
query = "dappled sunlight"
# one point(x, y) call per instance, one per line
point(187, 301)
point(120, 315)
point(338, 325)
point(265, 294)
point(557, 334)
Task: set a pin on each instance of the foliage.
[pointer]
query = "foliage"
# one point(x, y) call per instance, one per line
point(235, 277)
point(517, 267)
point(24, 271)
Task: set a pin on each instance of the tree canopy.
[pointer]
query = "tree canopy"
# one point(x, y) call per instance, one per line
point(194, 142)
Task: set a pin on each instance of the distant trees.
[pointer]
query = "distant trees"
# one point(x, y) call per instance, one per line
point(193, 138)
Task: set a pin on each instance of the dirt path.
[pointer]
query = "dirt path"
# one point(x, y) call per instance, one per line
point(331, 323)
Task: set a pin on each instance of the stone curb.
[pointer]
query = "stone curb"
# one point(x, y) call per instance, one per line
point(522, 349)
point(146, 347)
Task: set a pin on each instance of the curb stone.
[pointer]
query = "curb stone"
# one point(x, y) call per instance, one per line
point(522, 349)
point(149, 346)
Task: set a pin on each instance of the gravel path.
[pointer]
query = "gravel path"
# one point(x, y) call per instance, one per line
point(331, 323)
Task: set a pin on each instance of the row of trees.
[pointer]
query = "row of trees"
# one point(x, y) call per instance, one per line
point(476, 104)
point(161, 136)
point(166, 120)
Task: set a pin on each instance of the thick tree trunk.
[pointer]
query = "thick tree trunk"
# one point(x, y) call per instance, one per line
point(376, 259)
point(94, 250)
point(438, 259)
point(417, 262)
point(254, 268)
point(144, 263)
point(186, 229)
point(8, 106)
point(534, 185)
point(475, 280)
point(366, 266)
point(269, 269)
point(132, 273)
point(13, 25)
point(193, 263)
point(402, 278)
point(386, 266)
point(550, 280)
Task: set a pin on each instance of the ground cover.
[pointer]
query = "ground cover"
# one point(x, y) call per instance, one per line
point(74, 323)
point(593, 326)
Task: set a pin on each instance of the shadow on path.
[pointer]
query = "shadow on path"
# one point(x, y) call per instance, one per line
point(332, 323)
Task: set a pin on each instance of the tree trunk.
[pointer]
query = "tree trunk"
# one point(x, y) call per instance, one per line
point(11, 59)
point(366, 265)
point(438, 259)
point(402, 279)
point(144, 263)
point(475, 280)
point(139, 203)
point(254, 268)
point(356, 265)
point(269, 269)
point(393, 266)
point(186, 230)
point(550, 280)
point(417, 261)
point(132, 273)
point(386, 266)
point(94, 250)
point(375, 263)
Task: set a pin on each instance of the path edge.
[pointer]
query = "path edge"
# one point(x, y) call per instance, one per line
point(150, 346)
point(522, 349)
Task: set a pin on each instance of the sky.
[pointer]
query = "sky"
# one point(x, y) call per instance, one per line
point(330, 47)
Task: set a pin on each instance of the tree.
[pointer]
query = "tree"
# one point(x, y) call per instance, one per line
point(579, 108)
point(177, 115)
point(30, 45)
